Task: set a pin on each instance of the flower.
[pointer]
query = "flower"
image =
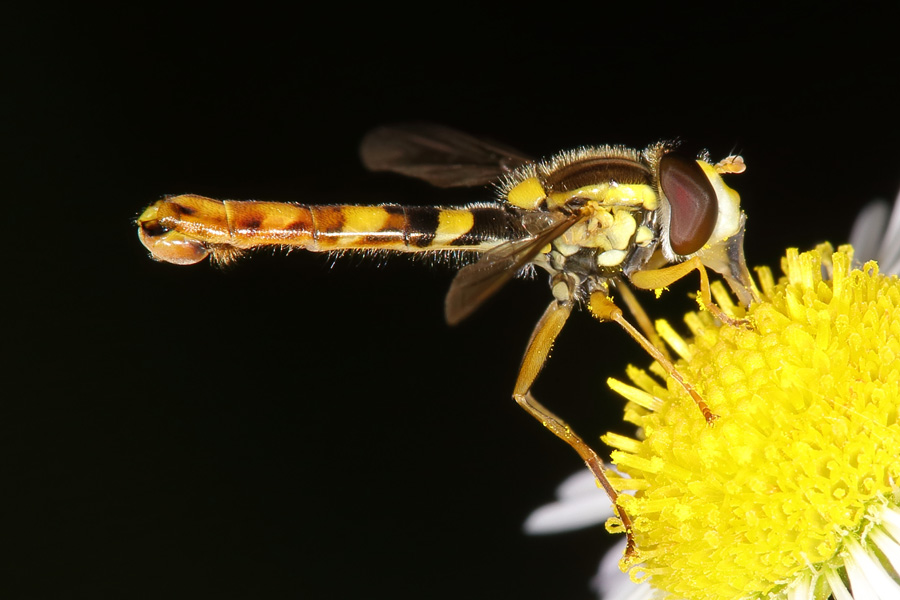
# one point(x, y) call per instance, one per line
point(581, 504)
point(793, 492)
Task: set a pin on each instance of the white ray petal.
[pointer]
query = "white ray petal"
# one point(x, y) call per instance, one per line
point(838, 589)
point(570, 514)
point(610, 583)
point(890, 266)
point(888, 547)
point(581, 504)
point(868, 230)
point(890, 521)
point(576, 484)
point(863, 566)
point(801, 589)
point(889, 253)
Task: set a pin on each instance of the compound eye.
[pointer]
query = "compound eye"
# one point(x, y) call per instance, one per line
point(693, 202)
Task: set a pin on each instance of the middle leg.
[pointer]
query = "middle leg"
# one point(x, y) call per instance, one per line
point(536, 354)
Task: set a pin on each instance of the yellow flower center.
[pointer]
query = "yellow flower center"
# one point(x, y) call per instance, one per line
point(805, 449)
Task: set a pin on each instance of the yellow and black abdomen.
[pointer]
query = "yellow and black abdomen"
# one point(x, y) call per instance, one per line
point(186, 229)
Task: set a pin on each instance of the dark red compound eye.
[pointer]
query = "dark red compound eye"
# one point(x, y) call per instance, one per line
point(694, 207)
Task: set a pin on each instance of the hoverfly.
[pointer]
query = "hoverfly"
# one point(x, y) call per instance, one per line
point(596, 219)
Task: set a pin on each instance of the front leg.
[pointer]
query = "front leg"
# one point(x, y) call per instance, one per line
point(657, 279)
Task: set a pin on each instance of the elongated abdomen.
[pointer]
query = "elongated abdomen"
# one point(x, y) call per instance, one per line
point(186, 229)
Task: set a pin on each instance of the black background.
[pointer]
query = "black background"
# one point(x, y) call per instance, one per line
point(289, 428)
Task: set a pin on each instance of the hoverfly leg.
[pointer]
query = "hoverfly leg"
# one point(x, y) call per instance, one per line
point(536, 354)
point(640, 316)
point(604, 309)
point(656, 279)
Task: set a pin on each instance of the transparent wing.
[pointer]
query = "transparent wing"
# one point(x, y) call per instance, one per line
point(439, 155)
point(477, 282)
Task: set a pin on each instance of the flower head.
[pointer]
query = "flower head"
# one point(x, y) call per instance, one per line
point(793, 491)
